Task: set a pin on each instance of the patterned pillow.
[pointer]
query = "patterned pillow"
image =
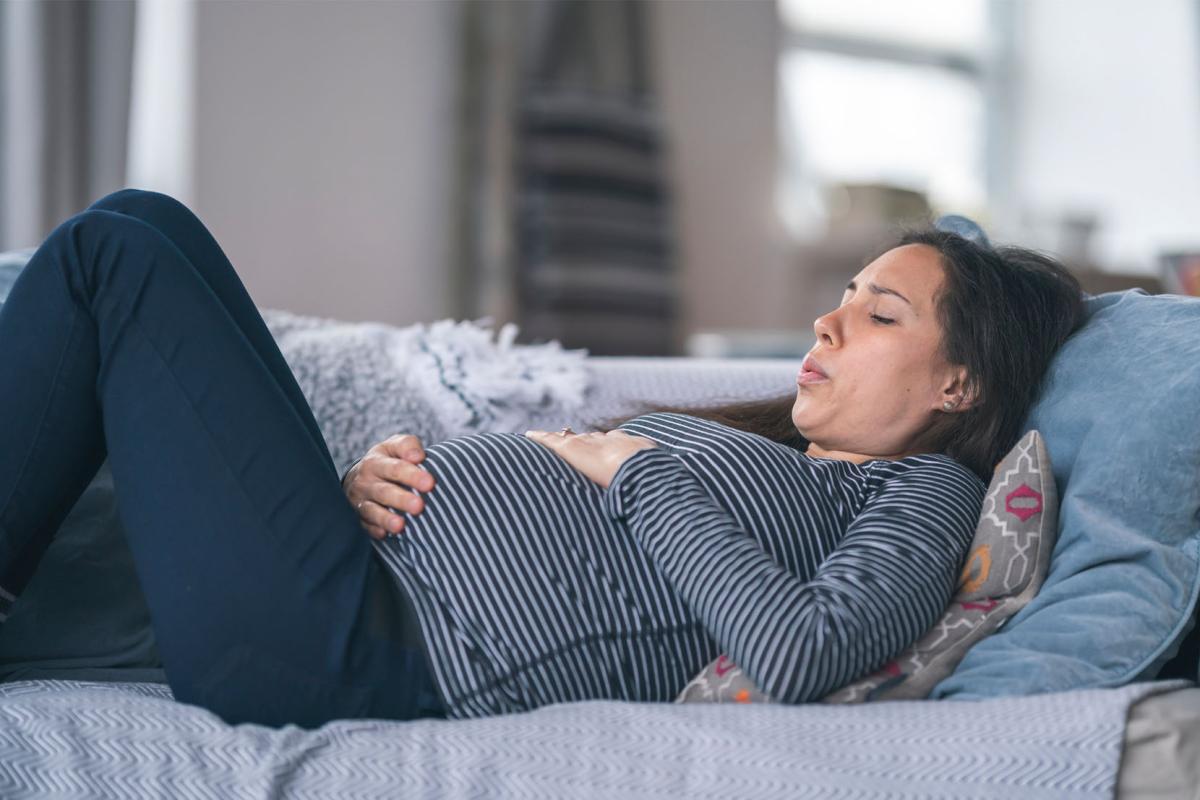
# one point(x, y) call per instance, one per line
point(1004, 569)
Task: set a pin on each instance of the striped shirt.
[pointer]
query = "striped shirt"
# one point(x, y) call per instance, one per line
point(533, 585)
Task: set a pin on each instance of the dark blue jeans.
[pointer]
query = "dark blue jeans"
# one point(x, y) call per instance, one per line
point(129, 335)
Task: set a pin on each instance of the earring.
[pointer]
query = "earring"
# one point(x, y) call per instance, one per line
point(947, 405)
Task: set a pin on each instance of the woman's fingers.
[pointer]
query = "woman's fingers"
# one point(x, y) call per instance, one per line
point(377, 491)
point(380, 518)
point(389, 493)
point(596, 454)
point(376, 532)
point(404, 445)
point(392, 495)
point(409, 474)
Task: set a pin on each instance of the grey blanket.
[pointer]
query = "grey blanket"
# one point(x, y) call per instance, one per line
point(364, 381)
point(71, 739)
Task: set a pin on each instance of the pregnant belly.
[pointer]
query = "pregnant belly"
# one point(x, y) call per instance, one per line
point(520, 578)
point(512, 536)
point(507, 521)
point(494, 483)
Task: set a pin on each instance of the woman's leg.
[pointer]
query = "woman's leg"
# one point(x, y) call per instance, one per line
point(253, 564)
point(390, 611)
point(198, 247)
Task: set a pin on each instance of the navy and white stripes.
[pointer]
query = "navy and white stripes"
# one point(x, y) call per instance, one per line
point(535, 586)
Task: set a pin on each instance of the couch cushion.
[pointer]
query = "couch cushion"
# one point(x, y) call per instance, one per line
point(1121, 415)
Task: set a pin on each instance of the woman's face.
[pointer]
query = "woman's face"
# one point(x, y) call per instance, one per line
point(881, 353)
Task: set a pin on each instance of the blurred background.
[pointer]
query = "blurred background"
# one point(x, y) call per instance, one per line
point(642, 177)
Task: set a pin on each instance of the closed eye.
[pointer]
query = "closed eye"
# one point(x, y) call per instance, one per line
point(882, 320)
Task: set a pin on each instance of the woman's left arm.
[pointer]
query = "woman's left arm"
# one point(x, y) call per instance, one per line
point(884, 586)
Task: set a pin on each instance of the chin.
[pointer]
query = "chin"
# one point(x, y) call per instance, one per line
point(798, 415)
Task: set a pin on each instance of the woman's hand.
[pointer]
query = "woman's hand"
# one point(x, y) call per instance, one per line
point(373, 484)
point(597, 455)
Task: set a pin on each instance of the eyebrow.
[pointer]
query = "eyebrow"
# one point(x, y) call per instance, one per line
point(877, 289)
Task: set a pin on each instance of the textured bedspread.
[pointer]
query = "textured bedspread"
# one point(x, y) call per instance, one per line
point(74, 739)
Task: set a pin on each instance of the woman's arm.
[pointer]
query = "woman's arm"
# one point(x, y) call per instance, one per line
point(886, 583)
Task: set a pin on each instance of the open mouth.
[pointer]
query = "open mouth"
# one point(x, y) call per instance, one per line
point(811, 372)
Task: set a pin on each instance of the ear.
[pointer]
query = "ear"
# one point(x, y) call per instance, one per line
point(957, 389)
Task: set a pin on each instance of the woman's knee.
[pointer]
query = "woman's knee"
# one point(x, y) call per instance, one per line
point(114, 200)
point(144, 204)
point(98, 237)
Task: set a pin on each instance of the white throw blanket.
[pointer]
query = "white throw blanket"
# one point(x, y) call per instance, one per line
point(366, 381)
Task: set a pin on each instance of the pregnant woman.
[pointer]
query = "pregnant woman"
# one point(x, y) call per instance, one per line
point(810, 538)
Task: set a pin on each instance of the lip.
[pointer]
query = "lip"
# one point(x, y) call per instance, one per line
point(811, 372)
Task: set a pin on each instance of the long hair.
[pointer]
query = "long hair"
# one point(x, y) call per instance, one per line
point(1004, 312)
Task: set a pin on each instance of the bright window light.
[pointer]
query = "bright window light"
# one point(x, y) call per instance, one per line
point(856, 120)
point(887, 93)
point(955, 25)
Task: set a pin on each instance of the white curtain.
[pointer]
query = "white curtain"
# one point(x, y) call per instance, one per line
point(95, 95)
point(64, 110)
point(161, 118)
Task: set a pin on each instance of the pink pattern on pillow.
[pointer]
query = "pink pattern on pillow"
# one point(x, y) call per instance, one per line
point(988, 605)
point(1023, 511)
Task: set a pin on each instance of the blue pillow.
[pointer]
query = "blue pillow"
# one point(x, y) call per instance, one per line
point(83, 615)
point(1120, 413)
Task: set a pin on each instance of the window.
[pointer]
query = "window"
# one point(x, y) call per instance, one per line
point(895, 93)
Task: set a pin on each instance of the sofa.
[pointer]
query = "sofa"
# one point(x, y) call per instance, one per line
point(1032, 710)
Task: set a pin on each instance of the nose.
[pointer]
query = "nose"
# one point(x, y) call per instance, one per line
point(825, 329)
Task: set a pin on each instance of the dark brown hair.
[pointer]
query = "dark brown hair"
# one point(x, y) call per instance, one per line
point(1003, 312)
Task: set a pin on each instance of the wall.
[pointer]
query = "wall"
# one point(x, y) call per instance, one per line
point(717, 66)
point(324, 152)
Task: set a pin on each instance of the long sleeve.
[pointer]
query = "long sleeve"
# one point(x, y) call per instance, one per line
point(347, 472)
point(878, 591)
